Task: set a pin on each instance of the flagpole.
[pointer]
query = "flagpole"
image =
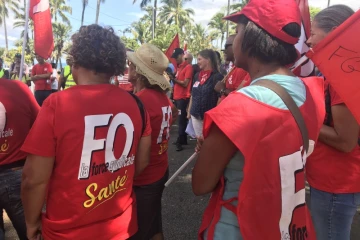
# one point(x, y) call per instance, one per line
point(25, 38)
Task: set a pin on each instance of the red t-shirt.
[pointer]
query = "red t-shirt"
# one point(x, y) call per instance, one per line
point(124, 82)
point(93, 137)
point(159, 107)
point(330, 170)
point(18, 111)
point(235, 77)
point(39, 69)
point(185, 71)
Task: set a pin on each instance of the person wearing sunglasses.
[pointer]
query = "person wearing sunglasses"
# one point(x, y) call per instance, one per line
point(235, 77)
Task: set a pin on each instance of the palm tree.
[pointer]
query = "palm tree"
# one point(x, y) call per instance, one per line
point(84, 4)
point(61, 34)
point(59, 8)
point(219, 25)
point(5, 6)
point(141, 32)
point(173, 11)
point(20, 23)
point(238, 6)
point(145, 3)
point(98, 10)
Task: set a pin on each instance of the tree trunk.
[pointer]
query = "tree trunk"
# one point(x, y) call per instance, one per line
point(328, 3)
point(155, 12)
point(60, 63)
point(6, 37)
point(227, 22)
point(222, 39)
point(82, 16)
point(97, 11)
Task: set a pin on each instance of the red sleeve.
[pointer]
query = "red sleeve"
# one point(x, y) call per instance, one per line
point(335, 98)
point(33, 71)
point(41, 139)
point(50, 70)
point(31, 102)
point(147, 131)
point(189, 72)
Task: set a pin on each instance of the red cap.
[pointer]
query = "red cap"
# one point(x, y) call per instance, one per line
point(272, 16)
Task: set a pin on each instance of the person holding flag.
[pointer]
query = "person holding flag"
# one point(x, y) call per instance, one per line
point(333, 170)
point(257, 140)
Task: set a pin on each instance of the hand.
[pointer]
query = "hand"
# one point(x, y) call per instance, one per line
point(188, 115)
point(33, 231)
point(200, 141)
point(219, 86)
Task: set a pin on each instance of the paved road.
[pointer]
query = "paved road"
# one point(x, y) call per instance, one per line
point(182, 211)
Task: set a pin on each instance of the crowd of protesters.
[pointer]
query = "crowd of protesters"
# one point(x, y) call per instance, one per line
point(86, 156)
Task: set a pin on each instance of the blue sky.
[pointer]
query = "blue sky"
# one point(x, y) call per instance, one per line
point(121, 13)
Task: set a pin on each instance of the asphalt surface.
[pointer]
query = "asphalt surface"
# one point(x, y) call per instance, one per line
point(182, 211)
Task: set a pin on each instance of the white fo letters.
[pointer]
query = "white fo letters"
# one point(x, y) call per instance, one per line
point(290, 199)
point(91, 144)
point(165, 124)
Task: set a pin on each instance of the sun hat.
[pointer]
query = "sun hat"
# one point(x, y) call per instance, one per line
point(272, 16)
point(151, 62)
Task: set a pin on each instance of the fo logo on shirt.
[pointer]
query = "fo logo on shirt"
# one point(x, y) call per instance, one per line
point(91, 144)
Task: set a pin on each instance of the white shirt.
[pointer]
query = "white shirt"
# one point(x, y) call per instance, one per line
point(55, 83)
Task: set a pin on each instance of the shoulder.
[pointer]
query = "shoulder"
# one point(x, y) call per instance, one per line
point(218, 75)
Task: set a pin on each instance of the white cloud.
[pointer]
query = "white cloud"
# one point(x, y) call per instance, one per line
point(136, 14)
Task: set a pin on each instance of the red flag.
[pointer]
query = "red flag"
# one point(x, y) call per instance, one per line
point(44, 40)
point(338, 58)
point(174, 44)
point(307, 68)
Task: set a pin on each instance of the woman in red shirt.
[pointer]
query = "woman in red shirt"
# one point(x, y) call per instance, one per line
point(85, 148)
point(333, 170)
point(148, 65)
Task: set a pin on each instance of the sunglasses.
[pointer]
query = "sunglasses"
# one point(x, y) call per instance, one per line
point(186, 58)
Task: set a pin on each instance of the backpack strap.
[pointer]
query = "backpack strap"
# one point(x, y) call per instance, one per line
point(142, 111)
point(291, 105)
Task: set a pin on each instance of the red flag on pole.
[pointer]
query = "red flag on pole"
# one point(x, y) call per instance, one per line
point(174, 44)
point(307, 67)
point(44, 41)
point(338, 58)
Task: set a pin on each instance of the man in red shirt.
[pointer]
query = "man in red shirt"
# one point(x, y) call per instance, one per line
point(84, 150)
point(18, 110)
point(235, 77)
point(40, 75)
point(182, 94)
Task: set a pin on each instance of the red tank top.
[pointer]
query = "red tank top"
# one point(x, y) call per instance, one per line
point(271, 199)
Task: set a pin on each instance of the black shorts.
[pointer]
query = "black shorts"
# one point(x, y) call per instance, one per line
point(148, 201)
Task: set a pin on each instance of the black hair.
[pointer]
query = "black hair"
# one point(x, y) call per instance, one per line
point(266, 48)
point(218, 56)
point(98, 49)
point(211, 55)
point(53, 65)
point(332, 17)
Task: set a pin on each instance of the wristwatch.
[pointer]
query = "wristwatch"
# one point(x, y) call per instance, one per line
point(223, 91)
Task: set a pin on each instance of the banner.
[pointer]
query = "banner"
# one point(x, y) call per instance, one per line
point(306, 68)
point(174, 44)
point(39, 12)
point(338, 58)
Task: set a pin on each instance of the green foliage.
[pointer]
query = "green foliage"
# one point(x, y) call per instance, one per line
point(314, 11)
point(58, 8)
point(173, 11)
point(10, 56)
point(130, 43)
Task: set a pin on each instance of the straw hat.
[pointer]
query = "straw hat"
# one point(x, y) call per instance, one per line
point(151, 62)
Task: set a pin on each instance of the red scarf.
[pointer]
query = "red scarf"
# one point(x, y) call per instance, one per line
point(204, 76)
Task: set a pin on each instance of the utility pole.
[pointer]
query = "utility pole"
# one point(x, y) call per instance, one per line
point(328, 3)
point(227, 24)
point(153, 23)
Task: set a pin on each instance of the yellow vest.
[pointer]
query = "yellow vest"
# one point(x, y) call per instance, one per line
point(2, 73)
point(69, 80)
point(15, 77)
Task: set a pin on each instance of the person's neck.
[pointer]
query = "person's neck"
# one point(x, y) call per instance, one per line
point(88, 77)
point(258, 70)
point(208, 68)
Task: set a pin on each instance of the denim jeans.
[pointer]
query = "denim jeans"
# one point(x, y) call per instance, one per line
point(333, 214)
point(182, 105)
point(10, 201)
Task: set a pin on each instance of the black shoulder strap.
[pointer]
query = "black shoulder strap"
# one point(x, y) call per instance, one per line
point(142, 111)
point(291, 105)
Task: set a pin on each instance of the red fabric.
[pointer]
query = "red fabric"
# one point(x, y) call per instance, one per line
point(18, 111)
point(94, 144)
point(342, 171)
point(159, 107)
point(39, 69)
point(235, 77)
point(337, 57)
point(185, 71)
point(124, 82)
point(307, 68)
point(263, 13)
point(274, 181)
point(43, 33)
point(204, 76)
point(174, 44)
